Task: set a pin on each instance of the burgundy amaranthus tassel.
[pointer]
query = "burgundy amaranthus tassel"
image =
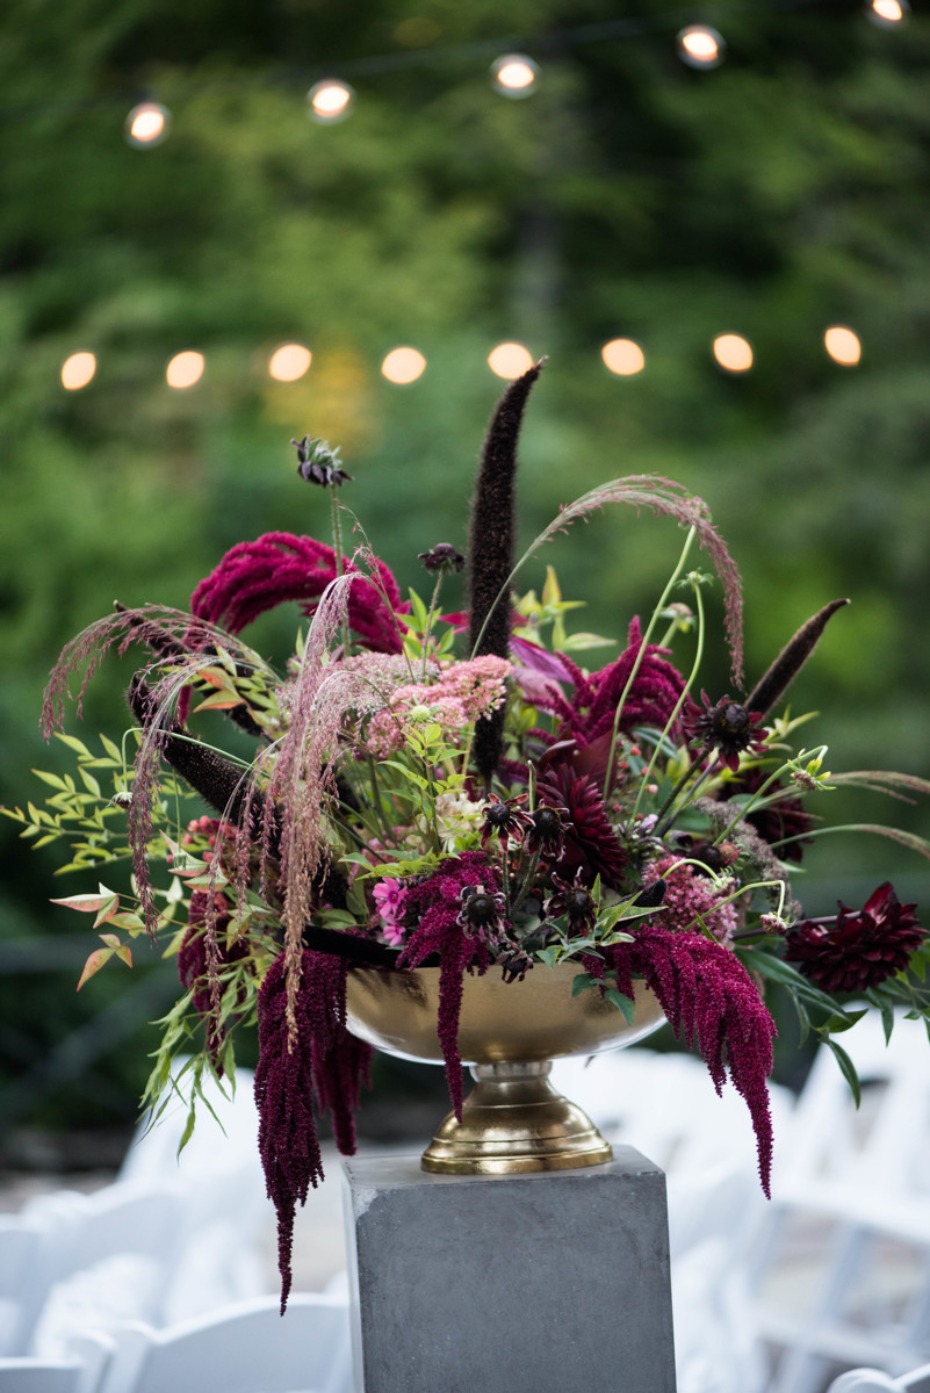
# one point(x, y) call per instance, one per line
point(436, 904)
point(711, 1003)
point(326, 1063)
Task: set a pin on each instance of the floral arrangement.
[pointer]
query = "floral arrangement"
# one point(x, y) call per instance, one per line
point(458, 789)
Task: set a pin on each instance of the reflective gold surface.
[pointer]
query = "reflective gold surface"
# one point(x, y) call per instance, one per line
point(514, 1121)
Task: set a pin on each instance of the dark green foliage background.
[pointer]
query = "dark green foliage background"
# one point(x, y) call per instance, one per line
point(783, 192)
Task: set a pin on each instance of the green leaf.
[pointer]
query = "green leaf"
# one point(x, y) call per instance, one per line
point(87, 904)
point(582, 983)
point(112, 749)
point(622, 1003)
point(51, 779)
point(188, 1128)
point(98, 959)
point(847, 1068)
point(73, 743)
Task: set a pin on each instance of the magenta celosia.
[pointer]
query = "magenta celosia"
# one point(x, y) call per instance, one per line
point(436, 905)
point(712, 1004)
point(691, 901)
point(257, 576)
point(326, 1068)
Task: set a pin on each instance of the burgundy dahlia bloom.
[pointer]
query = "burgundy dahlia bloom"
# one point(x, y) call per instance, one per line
point(857, 949)
point(590, 845)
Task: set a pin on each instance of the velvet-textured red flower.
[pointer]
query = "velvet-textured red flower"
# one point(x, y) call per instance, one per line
point(856, 949)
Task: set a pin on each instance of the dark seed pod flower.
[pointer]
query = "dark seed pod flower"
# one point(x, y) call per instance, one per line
point(856, 949)
point(319, 463)
point(726, 727)
point(574, 899)
point(482, 912)
point(505, 820)
point(442, 558)
point(546, 837)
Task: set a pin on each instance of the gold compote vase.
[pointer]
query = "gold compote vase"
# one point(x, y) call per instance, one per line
point(514, 1120)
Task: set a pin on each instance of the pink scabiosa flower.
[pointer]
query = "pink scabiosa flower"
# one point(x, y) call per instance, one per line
point(691, 899)
point(390, 898)
point(857, 949)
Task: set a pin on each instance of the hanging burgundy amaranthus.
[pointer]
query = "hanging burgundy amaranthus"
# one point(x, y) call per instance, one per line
point(323, 1064)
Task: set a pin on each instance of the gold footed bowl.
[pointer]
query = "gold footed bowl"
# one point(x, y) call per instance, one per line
point(513, 1121)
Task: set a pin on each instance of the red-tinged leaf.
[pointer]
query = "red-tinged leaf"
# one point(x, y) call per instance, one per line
point(124, 953)
point(213, 676)
point(132, 922)
point(220, 702)
point(107, 911)
point(86, 904)
point(94, 963)
point(111, 940)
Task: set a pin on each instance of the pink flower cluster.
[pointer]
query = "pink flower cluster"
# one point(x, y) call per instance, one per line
point(690, 900)
point(390, 897)
point(462, 692)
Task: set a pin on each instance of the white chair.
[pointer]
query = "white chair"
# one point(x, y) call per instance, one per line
point(841, 1262)
point(80, 1374)
point(105, 1256)
point(240, 1349)
point(874, 1381)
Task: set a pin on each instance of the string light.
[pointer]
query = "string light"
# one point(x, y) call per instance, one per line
point(77, 371)
point(733, 352)
point(403, 366)
point(510, 360)
point(289, 362)
point(147, 125)
point(623, 357)
point(185, 370)
point(330, 101)
point(514, 75)
point(842, 345)
point(887, 13)
point(701, 47)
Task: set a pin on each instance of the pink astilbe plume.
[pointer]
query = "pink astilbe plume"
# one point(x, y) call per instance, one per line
point(322, 1064)
point(435, 904)
point(257, 576)
point(711, 1004)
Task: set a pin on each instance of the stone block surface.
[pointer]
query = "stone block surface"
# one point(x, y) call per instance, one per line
point(549, 1283)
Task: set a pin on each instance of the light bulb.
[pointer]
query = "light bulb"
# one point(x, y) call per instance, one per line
point(289, 362)
point(887, 14)
point(842, 345)
point(701, 47)
point(403, 365)
point(510, 360)
point(185, 370)
point(147, 125)
point(77, 371)
point(623, 357)
point(514, 75)
point(733, 353)
point(330, 101)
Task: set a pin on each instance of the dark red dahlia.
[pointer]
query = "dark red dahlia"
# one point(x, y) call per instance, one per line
point(724, 726)
point(590, 841)
point(856, 949)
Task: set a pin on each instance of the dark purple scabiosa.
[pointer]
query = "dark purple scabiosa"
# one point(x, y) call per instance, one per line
point(254, 577)
point(323, 1065)
point(442, 559)
point(434, 905)
point(319, 463)
point(546, 836)
point(590, 842)
point(505, 819)
point(856, 949)
point(712, 1004)
point(726, 727)
point(573, 899)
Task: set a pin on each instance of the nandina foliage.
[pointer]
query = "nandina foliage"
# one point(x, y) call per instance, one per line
point(435, 906)
point(712, 1005)
point(323, 1067)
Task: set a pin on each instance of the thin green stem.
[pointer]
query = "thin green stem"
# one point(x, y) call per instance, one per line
point(634, 671)
point(337, 549)
point(431, 614)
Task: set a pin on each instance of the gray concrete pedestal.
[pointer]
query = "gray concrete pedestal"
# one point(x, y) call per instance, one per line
point(549, 1283)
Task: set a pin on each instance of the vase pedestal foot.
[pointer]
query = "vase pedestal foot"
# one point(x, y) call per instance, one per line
point(514, 1122)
